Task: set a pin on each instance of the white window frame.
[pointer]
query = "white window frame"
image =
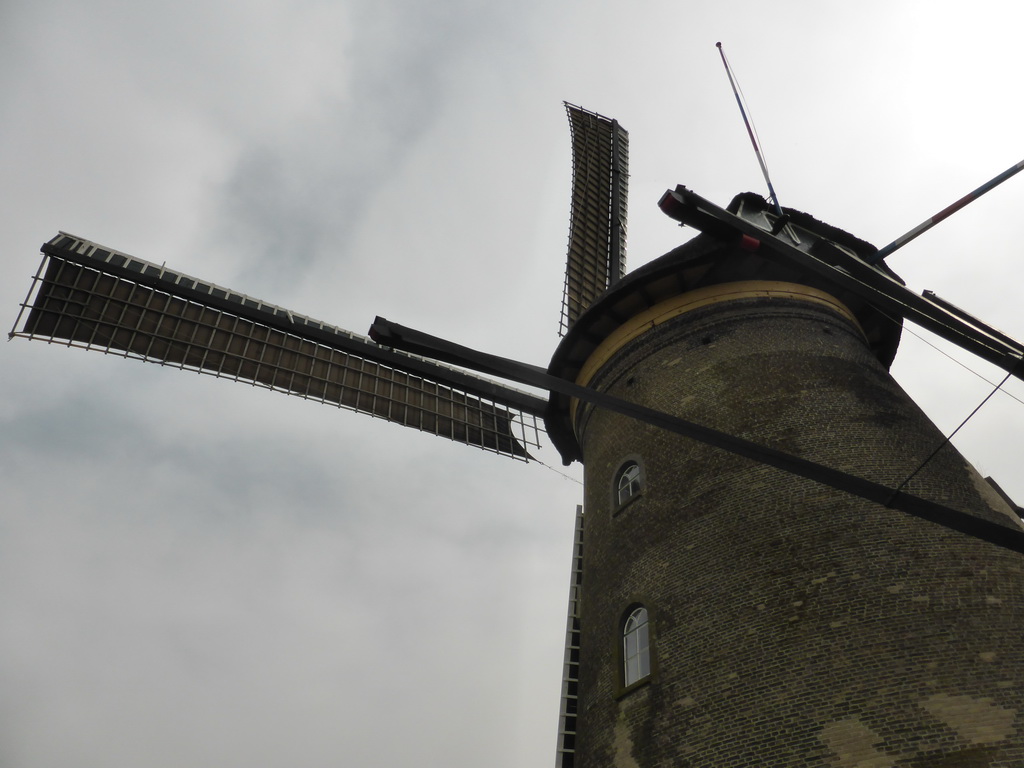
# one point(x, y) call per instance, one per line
point(636, 647)
point(628, 482)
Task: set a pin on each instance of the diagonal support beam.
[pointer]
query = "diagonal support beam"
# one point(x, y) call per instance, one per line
point(397, 336)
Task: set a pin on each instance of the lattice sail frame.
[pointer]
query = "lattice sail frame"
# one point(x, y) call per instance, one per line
point(565, 751)
point(85, 295)
point(597, 217)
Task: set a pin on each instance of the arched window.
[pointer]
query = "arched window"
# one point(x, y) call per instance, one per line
point(628, 483)
point(636, 647)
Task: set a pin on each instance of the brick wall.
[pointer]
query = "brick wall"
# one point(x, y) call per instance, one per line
point(793, 625)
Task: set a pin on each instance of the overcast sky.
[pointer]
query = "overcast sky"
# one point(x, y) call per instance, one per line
point(206, 574)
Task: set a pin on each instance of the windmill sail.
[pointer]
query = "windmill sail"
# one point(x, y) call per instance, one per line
point(597, 217)
point(93, 297)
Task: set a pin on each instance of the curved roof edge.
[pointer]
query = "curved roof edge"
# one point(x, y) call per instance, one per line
point(707, 259)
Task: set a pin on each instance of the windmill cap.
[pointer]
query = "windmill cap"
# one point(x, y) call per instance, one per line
point(715, 257)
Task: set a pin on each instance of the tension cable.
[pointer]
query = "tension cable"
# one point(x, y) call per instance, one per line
point(946, 442)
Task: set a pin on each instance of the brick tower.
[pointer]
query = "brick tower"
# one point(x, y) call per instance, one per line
point(731, 614)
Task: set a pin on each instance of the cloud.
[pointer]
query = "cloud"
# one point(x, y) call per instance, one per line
point(196, 572)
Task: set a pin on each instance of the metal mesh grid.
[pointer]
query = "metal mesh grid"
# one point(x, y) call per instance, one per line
point(85, 307)
point(597, 218)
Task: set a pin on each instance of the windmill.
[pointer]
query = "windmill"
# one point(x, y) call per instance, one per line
point(95, 297)
point(98, 298)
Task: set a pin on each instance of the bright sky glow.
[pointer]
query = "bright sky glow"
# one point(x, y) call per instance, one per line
point(204, 574)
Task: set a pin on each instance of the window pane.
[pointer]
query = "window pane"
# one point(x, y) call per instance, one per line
point(632, 671)
point(636, 656)
point(628, 484)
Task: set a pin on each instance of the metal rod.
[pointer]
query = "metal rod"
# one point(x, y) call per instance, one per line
point(949, 438)
point(924, 226)
point(750, 132)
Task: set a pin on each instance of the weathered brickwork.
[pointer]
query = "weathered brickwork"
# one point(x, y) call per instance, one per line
point(792, 625)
